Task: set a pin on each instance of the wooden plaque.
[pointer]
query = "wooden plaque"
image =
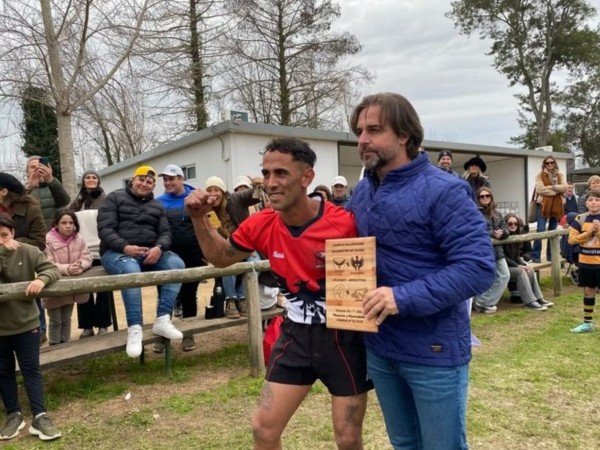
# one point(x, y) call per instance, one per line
point(350, 274)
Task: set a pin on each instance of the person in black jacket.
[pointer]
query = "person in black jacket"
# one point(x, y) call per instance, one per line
point(135, 237)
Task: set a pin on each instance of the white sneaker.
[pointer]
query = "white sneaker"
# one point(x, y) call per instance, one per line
point(134, 341)
point(163, 327)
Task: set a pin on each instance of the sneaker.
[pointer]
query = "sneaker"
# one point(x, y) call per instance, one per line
point(585, 327)
point(102, 330)
point(88, 332)
point(188, 344)
point(485, 309)
point(42, 427)
point(536, 306)
point(158, 347)
point(165, 328)
point(134, 341)
point(242, 306)
point(545, 303)
point(14, 423)
point(177, 311)
point(231, 311)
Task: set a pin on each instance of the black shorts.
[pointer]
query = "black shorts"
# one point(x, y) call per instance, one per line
point(306, 353)
point(589, 278)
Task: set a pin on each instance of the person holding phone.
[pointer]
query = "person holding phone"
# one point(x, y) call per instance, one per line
point(51, 194)
point(42, 185)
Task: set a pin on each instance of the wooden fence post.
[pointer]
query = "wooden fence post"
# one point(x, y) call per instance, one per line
point(555, 271)
point(257, 359)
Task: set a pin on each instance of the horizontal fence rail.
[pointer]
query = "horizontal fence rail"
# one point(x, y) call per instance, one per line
point(84, 284)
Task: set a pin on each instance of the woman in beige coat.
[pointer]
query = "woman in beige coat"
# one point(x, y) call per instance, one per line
point(550, 185)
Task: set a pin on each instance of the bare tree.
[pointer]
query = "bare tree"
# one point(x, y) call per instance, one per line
point(286, 65)
point(178, 63)
point(73, 48)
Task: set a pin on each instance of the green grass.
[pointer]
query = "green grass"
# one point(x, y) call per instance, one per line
point(533, 385)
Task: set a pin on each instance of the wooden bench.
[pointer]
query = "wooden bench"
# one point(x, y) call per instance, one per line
point(84, 349)
point(537, 267)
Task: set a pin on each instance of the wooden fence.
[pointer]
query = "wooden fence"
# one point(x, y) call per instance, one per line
point(83, 284)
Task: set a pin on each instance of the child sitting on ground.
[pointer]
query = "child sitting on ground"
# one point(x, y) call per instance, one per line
point(20, 334)
point(583, 231)
point(68, 250)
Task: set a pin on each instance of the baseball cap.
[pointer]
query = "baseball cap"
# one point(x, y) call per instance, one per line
point(339, 180)
point(171, 170)
point(144, 171)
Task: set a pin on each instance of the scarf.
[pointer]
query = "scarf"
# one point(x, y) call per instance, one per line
point(552, 206)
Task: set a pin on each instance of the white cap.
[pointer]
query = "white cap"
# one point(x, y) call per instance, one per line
point(171, 170)
point(242, 180)
point(339, 180)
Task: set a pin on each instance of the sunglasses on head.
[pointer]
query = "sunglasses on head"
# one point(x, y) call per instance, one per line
point(485, 196)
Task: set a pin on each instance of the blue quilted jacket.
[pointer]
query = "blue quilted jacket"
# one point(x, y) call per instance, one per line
point(434, 251)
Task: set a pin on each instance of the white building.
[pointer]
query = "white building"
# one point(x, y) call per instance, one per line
point(232, 148)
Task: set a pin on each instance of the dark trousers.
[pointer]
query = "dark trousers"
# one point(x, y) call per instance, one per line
point(38, 302)
point(95, 312)
point(26, 347)
point(188, 294)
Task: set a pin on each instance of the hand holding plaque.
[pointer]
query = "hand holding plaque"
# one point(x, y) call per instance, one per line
point(350, 274)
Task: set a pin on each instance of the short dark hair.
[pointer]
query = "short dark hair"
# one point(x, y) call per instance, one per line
point(594, 193)
point(299, 149)
point(66, 212)
point(6, 221)
point(397, 112)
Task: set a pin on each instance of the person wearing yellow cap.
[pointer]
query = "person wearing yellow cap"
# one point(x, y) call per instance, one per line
point(135, 237)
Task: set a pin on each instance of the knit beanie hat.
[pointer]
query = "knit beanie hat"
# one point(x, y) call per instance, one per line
point(89, 172)
point(12, 184)
point(444, 153)
point(215, 182)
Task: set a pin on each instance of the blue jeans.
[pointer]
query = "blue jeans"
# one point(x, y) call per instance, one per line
point(118, 263)
point(424, 407)
point(492, 296)
point(26, 347)
point(541, 226)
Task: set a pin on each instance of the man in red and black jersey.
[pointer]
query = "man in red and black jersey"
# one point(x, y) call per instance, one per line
point(292, 235)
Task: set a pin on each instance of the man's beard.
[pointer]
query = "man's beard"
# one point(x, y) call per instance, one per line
point(376, 160)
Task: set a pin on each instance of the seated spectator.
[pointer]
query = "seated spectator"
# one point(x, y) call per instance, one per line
point(520, 272)
point(497, 229)
point(68, 251)
point(135, 237)
point(95, 313)
point(323, 191)
point(230, 210)
point(184, 244)
point(19, 334)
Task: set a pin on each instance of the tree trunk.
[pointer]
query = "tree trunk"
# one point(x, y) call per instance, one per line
point(65, 147)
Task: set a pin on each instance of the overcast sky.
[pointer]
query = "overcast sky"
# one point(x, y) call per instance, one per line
point(414, 50)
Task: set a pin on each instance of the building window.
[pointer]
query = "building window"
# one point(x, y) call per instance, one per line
point(189, 172)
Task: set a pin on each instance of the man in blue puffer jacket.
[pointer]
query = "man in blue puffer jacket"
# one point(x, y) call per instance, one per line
point(433, 253)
